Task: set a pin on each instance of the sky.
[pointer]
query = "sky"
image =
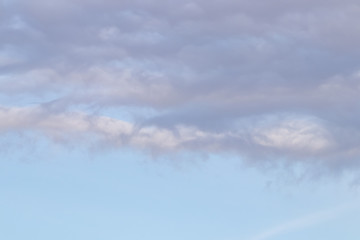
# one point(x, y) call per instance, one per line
point(216, 120)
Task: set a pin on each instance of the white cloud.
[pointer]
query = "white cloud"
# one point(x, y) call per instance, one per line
point(290, 136)
point(295, 135)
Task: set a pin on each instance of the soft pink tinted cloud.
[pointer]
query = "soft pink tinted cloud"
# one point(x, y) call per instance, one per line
point(262, 79)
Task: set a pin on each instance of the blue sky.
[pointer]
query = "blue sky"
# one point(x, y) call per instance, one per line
point(196, 119)
point(69, 193)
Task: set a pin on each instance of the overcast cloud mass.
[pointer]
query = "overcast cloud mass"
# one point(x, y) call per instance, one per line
point(265, 80)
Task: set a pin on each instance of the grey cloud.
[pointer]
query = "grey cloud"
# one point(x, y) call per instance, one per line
point(214, 66)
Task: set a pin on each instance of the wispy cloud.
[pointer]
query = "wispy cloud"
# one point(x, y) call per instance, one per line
point(302, 222)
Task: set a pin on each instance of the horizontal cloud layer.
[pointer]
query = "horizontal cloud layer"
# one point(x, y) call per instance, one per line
point(293, 135)
point(262, 79)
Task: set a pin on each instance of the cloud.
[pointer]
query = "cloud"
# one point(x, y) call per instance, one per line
point(262, 80)
point(303, 222)
point(294, 134)
point(288, 136)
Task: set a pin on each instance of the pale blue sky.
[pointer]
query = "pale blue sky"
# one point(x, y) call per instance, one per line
point(62, 193)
